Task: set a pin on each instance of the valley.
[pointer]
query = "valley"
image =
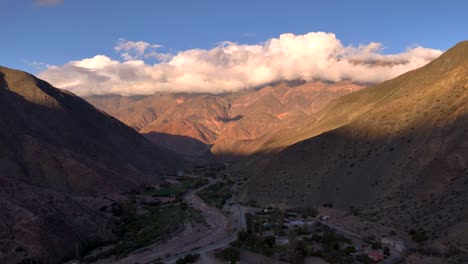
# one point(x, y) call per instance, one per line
point(245, 132)
point(359, 156)
point(316, 235)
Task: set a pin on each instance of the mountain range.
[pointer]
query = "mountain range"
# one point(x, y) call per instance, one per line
point(394, 153)
point(223, 125)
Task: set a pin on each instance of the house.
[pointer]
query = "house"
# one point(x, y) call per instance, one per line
point(267, 226)
point(296, 223)
point(324, 217)
point(398, 245)
point(375, 256)
point(282, 241)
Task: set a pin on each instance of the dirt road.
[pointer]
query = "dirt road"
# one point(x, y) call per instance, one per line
point(199, 239)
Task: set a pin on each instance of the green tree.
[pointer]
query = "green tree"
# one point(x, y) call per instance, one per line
point(242, 235)
point(350, 250)
point(269, 241)
point(230, 254)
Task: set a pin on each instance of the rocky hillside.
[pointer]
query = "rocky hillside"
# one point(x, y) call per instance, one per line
point(234, 124)
point(397, 150)
point(54, 148)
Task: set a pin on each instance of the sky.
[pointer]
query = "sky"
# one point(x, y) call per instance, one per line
point(90, 47)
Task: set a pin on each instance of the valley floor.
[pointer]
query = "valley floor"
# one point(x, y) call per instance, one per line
point(355, 238)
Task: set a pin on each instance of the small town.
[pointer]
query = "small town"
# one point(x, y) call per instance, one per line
point(288, 235)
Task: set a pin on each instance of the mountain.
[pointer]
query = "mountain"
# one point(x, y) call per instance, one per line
point(235, 124)
point(398, 151)
point(55, 149)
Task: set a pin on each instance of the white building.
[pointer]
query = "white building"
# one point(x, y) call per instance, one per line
point(398, 245)
point(282, 241)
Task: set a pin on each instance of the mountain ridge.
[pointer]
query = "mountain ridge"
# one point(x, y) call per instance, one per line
point(234, 124)
point(396, 151)
point(58, 153)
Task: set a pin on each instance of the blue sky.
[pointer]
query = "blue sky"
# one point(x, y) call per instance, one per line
point(76, 29)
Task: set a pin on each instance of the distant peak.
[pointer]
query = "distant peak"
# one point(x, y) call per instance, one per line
point(460, 50)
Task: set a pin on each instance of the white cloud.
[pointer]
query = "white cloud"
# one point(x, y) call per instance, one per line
point(38, 65)
point(133, 50)
point(232, 67)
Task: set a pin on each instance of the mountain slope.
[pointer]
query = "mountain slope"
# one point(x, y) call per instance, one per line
point(55, 148)
point(55, 139)
point(234, 124)
point(398, 150)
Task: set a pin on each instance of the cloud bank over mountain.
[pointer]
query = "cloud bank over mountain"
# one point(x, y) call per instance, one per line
point(232, 67)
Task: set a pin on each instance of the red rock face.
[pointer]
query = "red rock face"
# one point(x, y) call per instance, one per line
point(227, 124)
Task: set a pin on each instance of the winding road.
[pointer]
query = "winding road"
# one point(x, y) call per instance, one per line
point(222, 229)
point(211, 214)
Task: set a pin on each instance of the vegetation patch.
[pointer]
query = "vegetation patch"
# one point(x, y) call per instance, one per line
point(418, 236)
point(216, 194)
point(168, 190)
point(230, 254)
point(272, 233)
point(189, 258)
point(262, 245)
point(333, 250)
point(136, 230)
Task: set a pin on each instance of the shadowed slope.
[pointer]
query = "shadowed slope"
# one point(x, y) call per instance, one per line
point(399, 148)
point(236, 124)
point(55, 147)
point(53, 138)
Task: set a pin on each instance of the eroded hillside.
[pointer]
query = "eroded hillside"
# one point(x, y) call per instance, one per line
point(397, 150)
point(54, 149)
point(236, 124)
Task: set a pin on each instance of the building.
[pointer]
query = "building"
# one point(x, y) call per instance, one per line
point(375, 256)
point(296, 223)
point(324, 217)
point(282, 241)
point(398, 245)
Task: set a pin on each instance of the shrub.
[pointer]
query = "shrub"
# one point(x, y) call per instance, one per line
point(418, 236)
point(236, 244)
point(269, 241)
point(229, 254)
point(376, 245)
point(242, 235)
point(189, 258)
point(350, 249)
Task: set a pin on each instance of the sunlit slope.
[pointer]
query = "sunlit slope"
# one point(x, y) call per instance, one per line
point(231, 124)
point(346, 109)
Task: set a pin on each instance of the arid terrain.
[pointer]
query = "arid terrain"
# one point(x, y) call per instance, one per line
point(297, 149)
point(395, 153)
point(224, 125)
point(54, 149)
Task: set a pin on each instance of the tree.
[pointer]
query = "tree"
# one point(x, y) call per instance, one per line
point(386, 251)
point(350, 250)
point(229, 254)
point(189, 258)
point(242, 235)
point(269, 241)
point(376, 245)
point(418, 236)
